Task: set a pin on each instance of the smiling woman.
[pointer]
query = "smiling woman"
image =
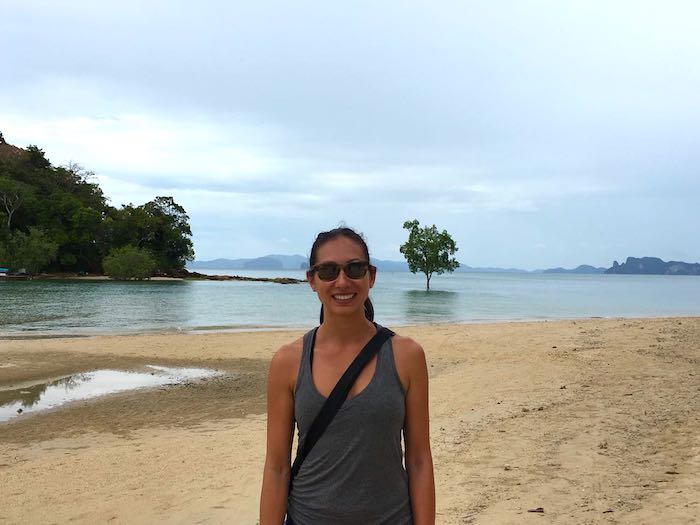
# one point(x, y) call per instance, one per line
point(328, 271)
point(351, 470)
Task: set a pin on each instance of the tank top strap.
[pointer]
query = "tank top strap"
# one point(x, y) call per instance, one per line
point(387, 373)
point(304, 374)
point(384, 354)
point(385, 359)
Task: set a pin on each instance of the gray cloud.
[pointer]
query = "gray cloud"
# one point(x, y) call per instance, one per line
point(537, 131)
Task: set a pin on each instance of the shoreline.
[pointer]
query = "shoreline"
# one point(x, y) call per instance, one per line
point(186, 276)
point(594, 420)
point(14, 336)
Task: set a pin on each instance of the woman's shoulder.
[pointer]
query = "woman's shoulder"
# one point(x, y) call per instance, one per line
point(408, 354)
point(406, 346)
point(409, 358)
point(288, 354)
point(284, 365)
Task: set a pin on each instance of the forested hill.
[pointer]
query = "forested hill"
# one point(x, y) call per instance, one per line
point(57, 219)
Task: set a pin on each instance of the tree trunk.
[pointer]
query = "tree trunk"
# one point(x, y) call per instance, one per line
point(10, 206)
point(427, 282)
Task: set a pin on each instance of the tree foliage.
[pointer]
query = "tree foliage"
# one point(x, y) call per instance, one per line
point(30, 251)
point(12, 195)
point(129, 262)
point(68, 206)
point(160, 226)
point(428, 251)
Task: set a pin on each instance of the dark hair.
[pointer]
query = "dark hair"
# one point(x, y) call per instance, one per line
point(343, 231)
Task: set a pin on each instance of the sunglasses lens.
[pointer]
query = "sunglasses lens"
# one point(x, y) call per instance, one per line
point(327, 272)
point(355, 270)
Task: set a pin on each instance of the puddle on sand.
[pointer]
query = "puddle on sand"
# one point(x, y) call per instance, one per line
point(88, 385)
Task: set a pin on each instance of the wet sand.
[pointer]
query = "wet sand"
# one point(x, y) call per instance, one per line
point(594, 421)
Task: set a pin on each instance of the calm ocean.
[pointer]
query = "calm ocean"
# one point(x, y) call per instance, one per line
point(33, 308)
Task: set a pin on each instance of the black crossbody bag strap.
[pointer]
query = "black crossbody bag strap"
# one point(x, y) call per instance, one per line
point(337, 397)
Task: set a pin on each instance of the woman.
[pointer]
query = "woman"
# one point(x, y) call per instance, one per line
point(354, 474)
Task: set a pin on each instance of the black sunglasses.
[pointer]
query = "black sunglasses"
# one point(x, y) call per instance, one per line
point(331, 271)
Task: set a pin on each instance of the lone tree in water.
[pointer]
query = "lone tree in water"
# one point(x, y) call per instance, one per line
point(428, 250)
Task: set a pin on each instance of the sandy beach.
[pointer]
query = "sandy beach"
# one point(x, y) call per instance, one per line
point(589, 421)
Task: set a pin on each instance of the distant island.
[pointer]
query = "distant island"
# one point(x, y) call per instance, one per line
point(584, 268)
point(653, 266)
point(268, 262)
point(299, 262)
point(281, 262)
point(633, 265)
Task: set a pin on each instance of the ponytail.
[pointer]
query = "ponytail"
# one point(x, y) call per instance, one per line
point(369, 310)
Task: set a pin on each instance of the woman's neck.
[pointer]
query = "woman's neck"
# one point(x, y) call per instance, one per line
point(346, 328)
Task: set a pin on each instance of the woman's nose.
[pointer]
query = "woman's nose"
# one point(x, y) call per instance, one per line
point(342, 278)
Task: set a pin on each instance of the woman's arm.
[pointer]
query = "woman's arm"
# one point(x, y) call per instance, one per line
point(280, 433)
point(419, 460)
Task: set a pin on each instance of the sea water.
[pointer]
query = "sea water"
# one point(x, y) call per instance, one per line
point(45, 308)
point(89, 385)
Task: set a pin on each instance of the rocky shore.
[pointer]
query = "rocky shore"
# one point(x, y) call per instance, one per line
point(278, 280)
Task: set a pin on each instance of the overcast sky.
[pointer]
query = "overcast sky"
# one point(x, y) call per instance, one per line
point(538, 133)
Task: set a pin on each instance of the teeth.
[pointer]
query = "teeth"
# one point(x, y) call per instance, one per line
point(344, 297)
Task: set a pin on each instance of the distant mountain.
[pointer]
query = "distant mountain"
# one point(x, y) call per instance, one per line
point(584, 268)
point(292, 262)
point(463, 268)
point(268, 262)
point(402, 266)
point(390, 266)
point(298, 262)
point(653, 266)
point(218, 264)
point(264, 263)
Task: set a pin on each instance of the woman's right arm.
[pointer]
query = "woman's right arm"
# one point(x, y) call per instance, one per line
point(280, 433)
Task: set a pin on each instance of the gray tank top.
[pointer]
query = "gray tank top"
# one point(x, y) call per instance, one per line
point(354, 474)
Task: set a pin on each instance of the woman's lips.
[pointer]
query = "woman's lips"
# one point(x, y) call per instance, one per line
point(343, 296)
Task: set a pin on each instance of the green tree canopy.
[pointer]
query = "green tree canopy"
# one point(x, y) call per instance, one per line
point(13, 194)
point(72, 212)
point(160, 226)
point(129, 262)
point(31, 251)
point(428, 251)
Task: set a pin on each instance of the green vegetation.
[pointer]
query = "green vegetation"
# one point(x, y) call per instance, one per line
point(57, 219)
point(28, 251)
point(428, 250)
point(129, 262)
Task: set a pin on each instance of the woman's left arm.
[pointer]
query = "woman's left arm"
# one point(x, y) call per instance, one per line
point(419, 460)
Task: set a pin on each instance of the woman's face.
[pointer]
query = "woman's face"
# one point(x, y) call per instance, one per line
point(343, 295)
